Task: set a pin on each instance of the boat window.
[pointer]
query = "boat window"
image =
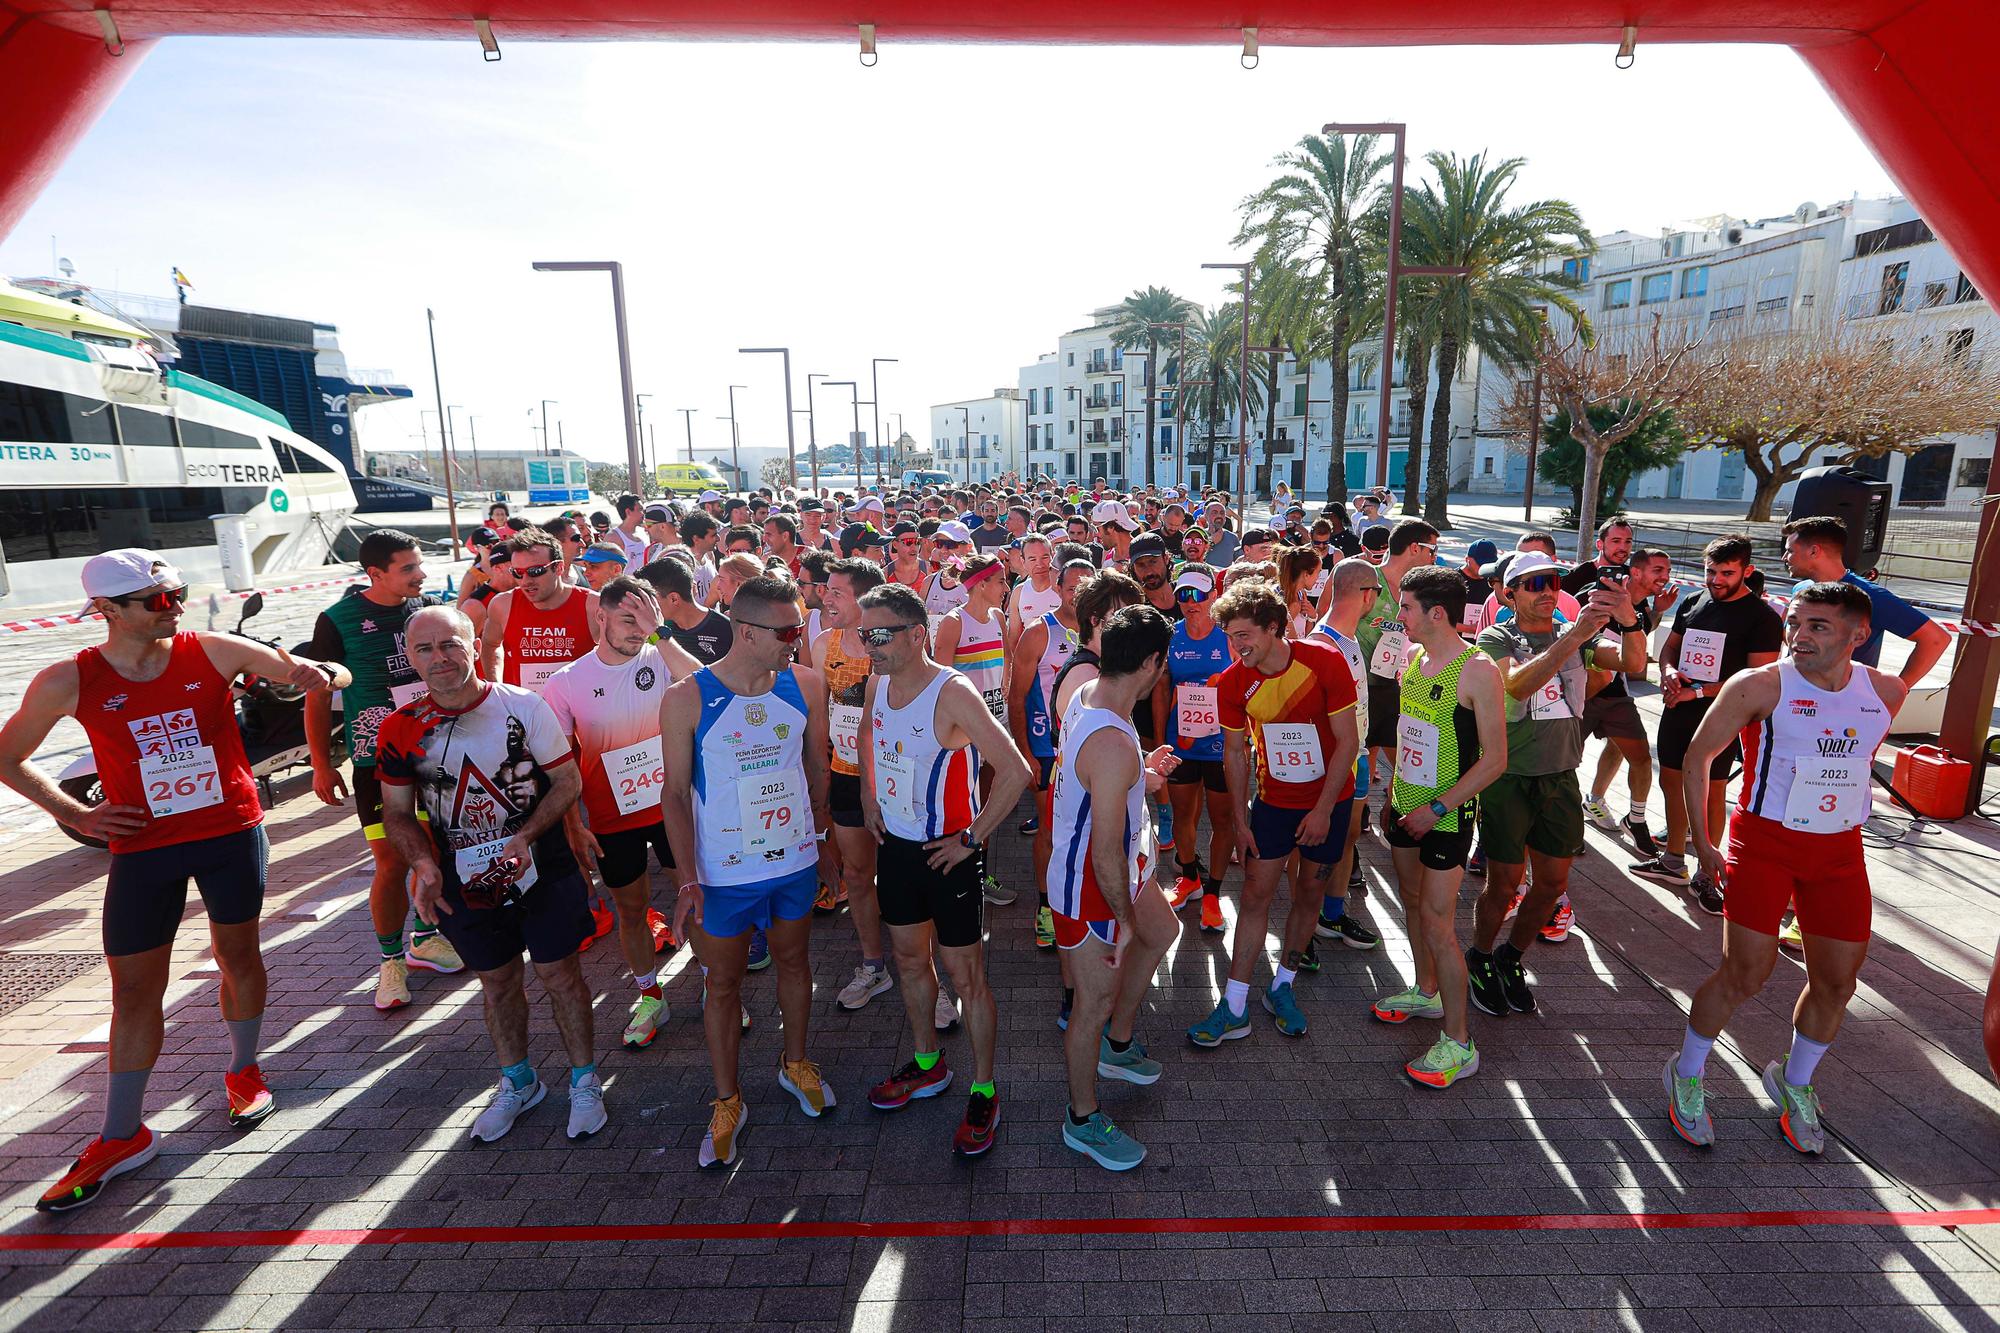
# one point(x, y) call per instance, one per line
point(297, 460)
point(140, 428)
point(61, 524)
point(201, 435)
point(33, 415)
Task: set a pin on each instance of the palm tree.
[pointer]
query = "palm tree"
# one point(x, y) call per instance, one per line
point(1141, 317)
point(1464, 220)
point(1310, 220)
point(1215, 345)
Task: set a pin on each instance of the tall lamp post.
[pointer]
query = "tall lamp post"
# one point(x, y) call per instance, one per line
point(444, 434)
point(791, 438)
point(856, 388)
point(639, 401)
point(687, 419)
point(967, 446)
point(735, 438)
point(875, 390)
point(617, 272)
point(812, 432)
point(1242, 394)
point(546, 403)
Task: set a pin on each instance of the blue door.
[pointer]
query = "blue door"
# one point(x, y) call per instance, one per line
point(1517, 473)
point(1729, 484)
point(1357, 469)
point(1399, 462)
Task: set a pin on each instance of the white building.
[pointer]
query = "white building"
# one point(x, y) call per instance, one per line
point(978, 439)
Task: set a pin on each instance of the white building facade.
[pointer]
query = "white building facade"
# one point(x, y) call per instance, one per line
point(980, 439)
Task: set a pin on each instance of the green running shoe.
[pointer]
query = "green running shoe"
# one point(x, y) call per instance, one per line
point(1103, 1142)
point(1407, 1004)
point(1045, 928)
point(1444, 1064)
point(647, 1014)
point(1280, 1004)
point(1687, 1106)
point(1221, 1025)
point(1131, 1064)
point(1798, 1110)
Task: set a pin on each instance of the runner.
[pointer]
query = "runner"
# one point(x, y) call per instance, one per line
point(179, 803)
point(929, 729)
point(1385, 640)
point(364, 631)
point(602, 562)
point(1533, 812)
point(1612, 716)
point(1185, 697)
point(1146, 562)
point(631, 513)
point(1350, 592)
point(704, 634)
point(1451, 733)
point(1111, 917)
point(746, 746)
point(1809, 727)
point(1036, 594)
point(1290, 739)
point(1720, 631)
point(969, 640)
point(542, 624)
point(608, 701)
point(494, 776)
point(499, 578)
point(1037, 655)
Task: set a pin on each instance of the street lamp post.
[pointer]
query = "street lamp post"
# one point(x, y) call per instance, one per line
point(874, 402)
point(735, 437)
point(687, 419)
point(617, 272)
point(472, 428)
point(791, 439)
point(812, 432)
point(967, 446)
point(444, 433)
point(1242, 391)
point(639, 401)
point(856, 388)
point(545, 422)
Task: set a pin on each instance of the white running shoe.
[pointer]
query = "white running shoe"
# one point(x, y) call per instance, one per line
point(392, 985)
point(586, 1107)
point(868, 982)
point(434, 953)
point(1599, 813)
point(506, 1107)
point(945, 1017)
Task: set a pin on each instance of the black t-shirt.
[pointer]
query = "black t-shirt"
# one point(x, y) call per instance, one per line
point(708, 641)
point(1644, 608)
point(1350, 545)
point(1747, 625)
point(1172, 541)
point(1477, 590)
point(1580, 578)
point(987, 536)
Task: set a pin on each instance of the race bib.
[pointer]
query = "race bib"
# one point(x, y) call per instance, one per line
point(1416, 751)
point(1701, 654)
point(895, 784)
point(996, 704)
point(181, 780)
point(535, 675)
point(636, 774)
point(1292, 751)
point(1391, 652)
point(403, 694)
point(1549, 703)
point(1828, 795)
point(1195, 711)
point(844, 721)
point(474, 861)
point(774, 811)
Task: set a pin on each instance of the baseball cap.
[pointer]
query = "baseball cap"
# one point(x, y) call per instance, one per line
point(858, 536)
point(869, 502)
point(600, 553)
point(1253, 536)
point(1482, 553)
point(127, 570)
point(709, 497)
point(812, 505)
point(483, 536)
point(1497, 568)
point(954, 532)
point(658, 513)
point(903, 529)
point(1148, 545)
point(1112, 512)
point(1199, 577)
point(1525, 563)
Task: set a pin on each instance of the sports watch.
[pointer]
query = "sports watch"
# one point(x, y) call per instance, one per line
point(1440, 809)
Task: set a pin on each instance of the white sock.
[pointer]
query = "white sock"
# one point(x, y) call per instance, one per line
point(643, 982)
point(1236, 995)
point(1804, 1059)
point(1637, 813)
point(1285, 977)
point(1694, 1054)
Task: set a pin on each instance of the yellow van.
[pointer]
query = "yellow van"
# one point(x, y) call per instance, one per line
point(690, 479)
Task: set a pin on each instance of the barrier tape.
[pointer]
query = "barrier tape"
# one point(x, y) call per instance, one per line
point(64, 621)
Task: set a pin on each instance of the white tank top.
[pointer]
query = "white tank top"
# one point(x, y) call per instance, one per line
point(1072, 881)
point(752, 812)
point(924, 790)
point(981, 657)
point(1350, 648)
point(1035, 602)
point(1807, 766)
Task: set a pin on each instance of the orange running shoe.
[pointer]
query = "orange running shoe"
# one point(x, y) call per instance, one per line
point(249, 1096)
point(602, 922)
point(1211, 912)
point(1186, 885)
point(661, 930)
point(102, 1160)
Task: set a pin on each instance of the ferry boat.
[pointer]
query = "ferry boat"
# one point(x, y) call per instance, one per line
point(103, 444)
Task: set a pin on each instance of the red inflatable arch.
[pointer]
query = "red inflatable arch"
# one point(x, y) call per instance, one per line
point(1909, 73)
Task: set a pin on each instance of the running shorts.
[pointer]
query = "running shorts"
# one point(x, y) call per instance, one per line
point(1613, 717)
point(549, 922)
point(1677, 728)
point(843, 795)
point(1276, 831)
point(146, 891)
point(1543, 813)
point(727, 910)
point(1438, 849)
point(1208, 772)
point(1824, 875)
point(1385, 704)
point(911, 893)
point(621, 857)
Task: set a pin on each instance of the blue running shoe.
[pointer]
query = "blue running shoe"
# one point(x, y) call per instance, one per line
point(760, 951)
point(1220, 1026)
point(1279, 1003)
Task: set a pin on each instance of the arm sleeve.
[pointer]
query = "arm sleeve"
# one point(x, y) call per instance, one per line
point(547, 741)
point(1229, 701)
point(326, 644)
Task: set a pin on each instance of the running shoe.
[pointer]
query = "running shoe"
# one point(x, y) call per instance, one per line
point(867, 983)
point(743, 1009)
point(1348, 931)
point(760, 952)
point(1031, 826)
point(827, 901)
point(1407, 1004)
point(1309, 960)
point(602, 922)
point(1557, 928)
point(1513, 908)
point(1707, 893)
point(661, 931)
point(1483, 980)
point(102, 1160)
point(1598, 813)
point(1514, 985)
point(507, 1106)
point(982, 1122)
point(586, 1107)
point(1103, 1142)
point(910, 1083)
point(1186, 885)
point(1641, 836)
point(648, 1013)
point(944, 1015)
point(1444, 1064)
point(1798, 1110)
point(1790, 938)
point(1221, 1025)
point(432, 953)
point(1211, 909)
point(1687, 1106)
point(997, 893)
point(392, 985)
point(801, 1079)
point(1131, 1064)
point(1356, 883)
point(1662, 869)
point(726, 1118)
point(1283, 1007)
point(1045, 928)
point(250, 1097)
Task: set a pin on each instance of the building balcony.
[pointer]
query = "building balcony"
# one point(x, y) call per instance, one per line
point(1096, 367)
point(1099, 404)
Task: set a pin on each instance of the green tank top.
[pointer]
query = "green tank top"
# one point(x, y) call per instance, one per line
point(367, 638)
point(1432, 703)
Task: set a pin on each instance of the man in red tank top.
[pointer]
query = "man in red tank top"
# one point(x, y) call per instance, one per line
point(541, 626)
point(179, 803)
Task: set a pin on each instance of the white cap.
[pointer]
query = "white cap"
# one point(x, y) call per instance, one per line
point(709, 497)
point(1525, 563)
point(1110, 511)
point(869, 502)
point(1198, 577)
point(125, 571)
point(955, 533)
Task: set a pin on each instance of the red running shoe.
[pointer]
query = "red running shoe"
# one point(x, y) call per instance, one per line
point(249, 1096)
point(602, 922)
point(909, 1083)
point(1211, 913)
point(102, 1160)
point(661, 930)
point(982, 1122)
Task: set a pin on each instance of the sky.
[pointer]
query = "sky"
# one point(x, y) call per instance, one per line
point(955, 208)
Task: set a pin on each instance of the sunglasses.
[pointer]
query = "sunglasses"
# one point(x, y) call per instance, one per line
point(1539, 583)
point(160, 599)
point(1190, 595)
point(782, 633)
point(880, 636)
point(535, 571)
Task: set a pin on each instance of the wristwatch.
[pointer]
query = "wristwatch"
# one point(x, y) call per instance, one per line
point(967, 841)
point(1440, 809)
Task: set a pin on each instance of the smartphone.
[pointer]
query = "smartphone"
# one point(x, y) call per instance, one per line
point(1614, 573)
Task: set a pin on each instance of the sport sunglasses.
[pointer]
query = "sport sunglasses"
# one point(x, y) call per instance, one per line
point(782, 633)
point(880, 636)
point(535, 571)
point(160, 599)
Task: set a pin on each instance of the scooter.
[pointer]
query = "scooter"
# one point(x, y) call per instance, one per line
point(270, 714)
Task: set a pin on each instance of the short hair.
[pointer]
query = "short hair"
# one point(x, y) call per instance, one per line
point(899, 601)
point(558, 527)
point(1652, 553)
point(766, 590)
point(1030, 538)
point(668, 575)
point(743, 532)
point(1255, 600)
point(614, 594)
point(1537, 537)
point(1409, 532)
point(1067, 551)
point(1727, 551)
point(1822, 529)
point(1375, 539)
point(1616, 521)
point(627, 503)
point(861, 572)
point(1131, 636)
point(1354, 572)
point(784, 523)
point(1840, 595)
point(1101, 594)
point(381, 546)
point(697, 524)
point(1435, 587)
point(527, 539)
point(816, 564)
point(461, 623)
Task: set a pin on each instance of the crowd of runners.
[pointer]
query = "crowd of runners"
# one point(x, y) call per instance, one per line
point(796, 705)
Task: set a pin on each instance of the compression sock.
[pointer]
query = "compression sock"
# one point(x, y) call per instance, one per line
point(1332, 909)
point(578, 1073)
point(985, 1089)
point(1119, 1046)
point(420, 931)
point(243, 1036)
point(927, 1060)
point(1505, 952)
point(391, 945)
point(124, 1103)
point(1285, 977)
point(1694, 1054)
point(1804, 1059)
point(520, 1075)
point(1236, 995)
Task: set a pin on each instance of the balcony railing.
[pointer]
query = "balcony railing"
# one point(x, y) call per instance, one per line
point(1103, 367)
point(1095, 404)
